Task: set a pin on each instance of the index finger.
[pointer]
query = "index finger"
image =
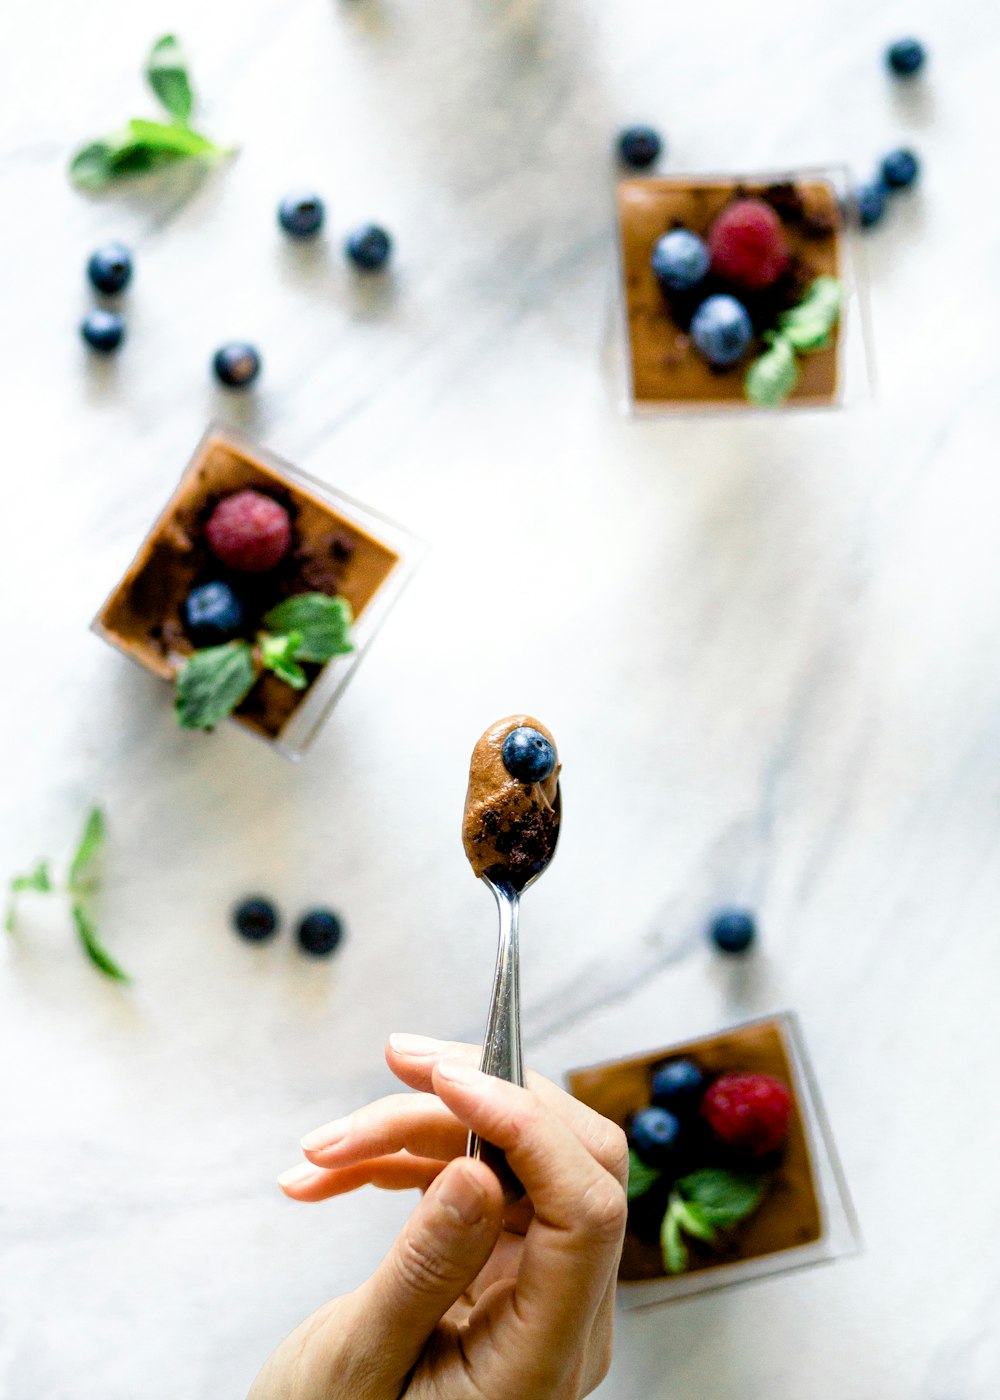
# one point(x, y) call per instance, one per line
point(412, 1059)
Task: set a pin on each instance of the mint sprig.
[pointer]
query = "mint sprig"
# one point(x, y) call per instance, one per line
point(801, 330)
point(81, 884)
point(143, 145)
point(701, 1204)
point(310, 627)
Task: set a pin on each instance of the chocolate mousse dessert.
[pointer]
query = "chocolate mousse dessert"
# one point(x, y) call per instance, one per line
point(732, 290)
point(511, 820)
point(720, 1163)
point(249, 585)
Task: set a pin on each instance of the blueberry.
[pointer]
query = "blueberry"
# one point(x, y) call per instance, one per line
point(236, 365)
point(527, 755)
point(680, 260)
point(678, 1085)
point(213, 614)
point(639, 146)
point(110, 268)
point(103, 330)
point(255, 919)
point(732, 930)
point(721, 329)
point(368, 247)
point(301, 215)
point(905, 57)
point(655, 1134)
point(320, 932)
point(869, 203)
point(900, 170)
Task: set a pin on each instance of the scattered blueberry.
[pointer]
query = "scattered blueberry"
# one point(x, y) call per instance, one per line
point(236, 365)
point(368, 247)
point(103, 331)
point(733, 930)
point(301, 215)
point(678, 1086)
point(905, 57)
point(680, 260)
point(255, 919)
point(869, 203)
point(900, 170)
point(721, 329)
point(110, 268)
point(213, 614)
point(639, 146)
point(527, 755)
point(320, 932)
point(655, 1134)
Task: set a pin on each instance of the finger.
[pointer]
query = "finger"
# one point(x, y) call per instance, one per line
point(572, 1246)
point(417, 1123)
point(412, 1059)
point(398, 1172)
point(435, 1259)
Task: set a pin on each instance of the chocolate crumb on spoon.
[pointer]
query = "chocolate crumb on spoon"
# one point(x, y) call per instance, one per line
point(510, 830)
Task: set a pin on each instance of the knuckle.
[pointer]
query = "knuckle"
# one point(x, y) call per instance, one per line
point(613, 1151)
point(604, 1210)
point(422, 1268)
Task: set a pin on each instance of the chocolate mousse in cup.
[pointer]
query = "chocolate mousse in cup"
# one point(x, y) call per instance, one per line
point(739, 292)
point(733, 1170)
point(256, 592)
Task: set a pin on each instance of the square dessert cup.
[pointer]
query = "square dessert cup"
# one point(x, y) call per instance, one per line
point(341, 546)
point(655, 368)
point(805, 1218)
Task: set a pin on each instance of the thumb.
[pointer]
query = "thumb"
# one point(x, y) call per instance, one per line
point(436, 1256)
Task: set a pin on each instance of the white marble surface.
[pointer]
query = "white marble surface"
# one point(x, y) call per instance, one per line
point(768, 647)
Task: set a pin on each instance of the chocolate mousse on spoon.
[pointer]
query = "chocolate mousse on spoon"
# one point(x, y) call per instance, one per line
point(510, 830)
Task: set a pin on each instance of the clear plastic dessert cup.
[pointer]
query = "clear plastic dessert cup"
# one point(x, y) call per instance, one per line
point(806, 1216)
point(652, 363)
point(339, 546)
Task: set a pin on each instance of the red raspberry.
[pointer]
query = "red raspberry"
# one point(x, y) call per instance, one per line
point(249, 532)
point(748, 246)
point(748, 1112)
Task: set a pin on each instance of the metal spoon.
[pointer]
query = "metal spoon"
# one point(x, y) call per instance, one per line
point(502, 1055)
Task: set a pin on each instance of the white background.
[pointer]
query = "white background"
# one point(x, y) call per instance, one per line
point(768, 647)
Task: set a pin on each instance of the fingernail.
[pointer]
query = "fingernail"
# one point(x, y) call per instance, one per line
point(463, 1196)
point(419, 1045)
point(327, 1136)
point(458, 1072)
point(299, 1175)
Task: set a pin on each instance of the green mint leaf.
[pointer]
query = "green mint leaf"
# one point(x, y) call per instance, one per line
point(694, 1220)
point(808, 325)
point(211, 683)
point(167, 75)
point(722, 1197)
point(91, 841)
point(278, 654)
point(170, 137)
point(92, 167)
point(92, 946)
point(37, 879)
point(773, 376)
point(675, 1255)
point(324, 622)
point(640, 1176)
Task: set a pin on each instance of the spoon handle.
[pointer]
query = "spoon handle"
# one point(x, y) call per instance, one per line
point(502, 1055)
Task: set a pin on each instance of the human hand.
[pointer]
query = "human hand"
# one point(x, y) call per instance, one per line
point(475, 1300)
